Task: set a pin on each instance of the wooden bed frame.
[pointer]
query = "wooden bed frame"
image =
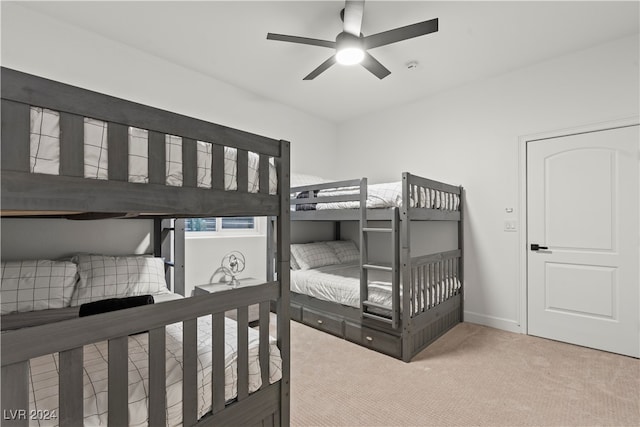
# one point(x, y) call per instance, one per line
point(69, 194)
point(389, 331)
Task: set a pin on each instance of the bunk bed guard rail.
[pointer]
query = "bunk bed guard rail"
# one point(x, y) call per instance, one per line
point(68, 190)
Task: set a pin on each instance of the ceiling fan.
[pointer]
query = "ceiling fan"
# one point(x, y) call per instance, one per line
point(351, 46)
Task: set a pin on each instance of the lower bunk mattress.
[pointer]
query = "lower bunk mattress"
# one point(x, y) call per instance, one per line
point(340, 283)
point(43, 381)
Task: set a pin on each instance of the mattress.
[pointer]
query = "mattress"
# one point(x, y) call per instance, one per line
point(43, 385)
point(340, 283)
point(386, 195)
point(45, 154)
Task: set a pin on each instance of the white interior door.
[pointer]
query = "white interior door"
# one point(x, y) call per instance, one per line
point(582, 210)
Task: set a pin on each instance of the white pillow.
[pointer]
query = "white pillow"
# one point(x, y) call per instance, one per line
point(36, 285)
point(293, 264)
point(345, 250)
point(312, 255)
point(103, 277)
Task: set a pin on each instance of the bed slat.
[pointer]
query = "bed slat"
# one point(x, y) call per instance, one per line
point(71, 383)
point(118, 382)
point(427, 284)
point(264, 174)
point(438, 283)
point(264, 342)
point(424, 303)
point(242, 170)
point(15, 394)
point(15, 136)
point(117, 140)
point(217, 167)
point(190, 373)
point(217, 371)
point(157, 158)
point(157, 377)
point(243, 352)
point(71, 145)
point(189, 163)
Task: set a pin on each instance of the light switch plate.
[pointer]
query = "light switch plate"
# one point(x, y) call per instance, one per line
point(510, 225)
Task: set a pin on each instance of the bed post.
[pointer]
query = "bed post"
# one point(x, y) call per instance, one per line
point(405, 261)
point(179, 256)
point(172, 250)
point(364, 247)
point(283, 271)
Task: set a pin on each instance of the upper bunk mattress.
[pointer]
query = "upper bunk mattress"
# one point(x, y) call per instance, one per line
point(385, 195)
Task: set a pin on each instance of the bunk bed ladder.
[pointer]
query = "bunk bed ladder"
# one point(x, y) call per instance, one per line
point(390, 315)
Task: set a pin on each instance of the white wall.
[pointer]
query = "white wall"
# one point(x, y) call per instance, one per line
point(37, 44)
point(60, 238)
point(469, 136)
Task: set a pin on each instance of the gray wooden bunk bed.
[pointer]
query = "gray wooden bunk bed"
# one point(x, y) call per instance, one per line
point(31, 192)
point(424, 292)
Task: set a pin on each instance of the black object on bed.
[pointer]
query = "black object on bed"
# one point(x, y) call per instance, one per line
point(113, 304)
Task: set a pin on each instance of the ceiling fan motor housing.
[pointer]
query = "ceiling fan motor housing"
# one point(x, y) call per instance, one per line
point(346, 40)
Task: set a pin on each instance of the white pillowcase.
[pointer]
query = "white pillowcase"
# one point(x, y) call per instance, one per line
point(293, 264)
point(312, 255)
point(36, 285)
point(345, 250)
point(103, 277)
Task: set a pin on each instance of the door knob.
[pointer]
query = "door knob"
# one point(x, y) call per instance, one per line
point(536, 247)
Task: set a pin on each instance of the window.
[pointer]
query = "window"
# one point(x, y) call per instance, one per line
point(200, 224)
point(221, 225)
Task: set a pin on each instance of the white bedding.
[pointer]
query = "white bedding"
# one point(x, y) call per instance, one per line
point(388, 195)
point(341, 284)
point(45, 155)
point(43, 386)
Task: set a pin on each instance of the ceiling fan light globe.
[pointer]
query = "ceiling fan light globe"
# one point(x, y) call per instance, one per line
point(349, 56)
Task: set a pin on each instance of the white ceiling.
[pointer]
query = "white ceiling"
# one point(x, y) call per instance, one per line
point(227, 40)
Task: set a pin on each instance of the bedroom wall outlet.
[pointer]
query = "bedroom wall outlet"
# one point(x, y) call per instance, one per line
point(511, 225)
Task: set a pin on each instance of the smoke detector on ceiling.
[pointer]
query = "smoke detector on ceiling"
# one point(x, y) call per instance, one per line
point(412, 65)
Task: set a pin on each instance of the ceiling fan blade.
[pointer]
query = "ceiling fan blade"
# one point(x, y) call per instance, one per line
point(353, 12)
point(321, 68)
point(402, 33)
point(372, 64)
point(301, 40)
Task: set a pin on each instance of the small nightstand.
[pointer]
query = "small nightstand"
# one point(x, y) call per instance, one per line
point(209, 288)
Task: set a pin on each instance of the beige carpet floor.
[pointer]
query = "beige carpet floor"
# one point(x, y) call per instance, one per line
point(472, 376)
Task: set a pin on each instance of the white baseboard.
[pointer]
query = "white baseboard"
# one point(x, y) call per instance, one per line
point(494, 322)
